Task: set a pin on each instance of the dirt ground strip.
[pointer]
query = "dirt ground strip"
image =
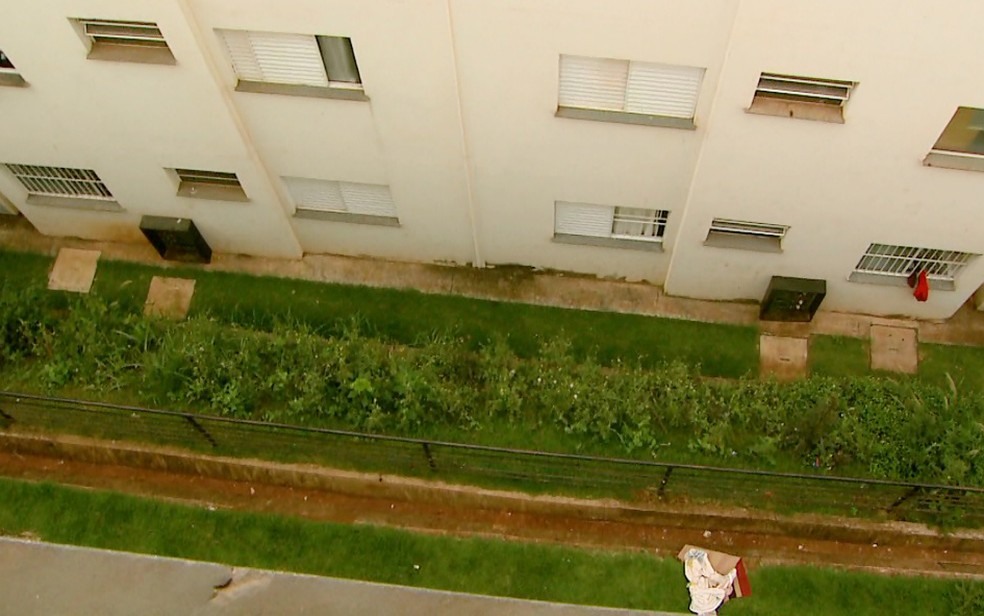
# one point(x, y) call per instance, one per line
point(923, 553)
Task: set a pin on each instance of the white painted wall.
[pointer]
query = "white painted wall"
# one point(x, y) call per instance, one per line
point(128, 122)
point(406, 136)
point(525, 158)
point(840, 187)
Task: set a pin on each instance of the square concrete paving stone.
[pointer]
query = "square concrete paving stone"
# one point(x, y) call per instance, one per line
point(895, 349)
point(783, 357)
point(74, 270)
point(169, 297)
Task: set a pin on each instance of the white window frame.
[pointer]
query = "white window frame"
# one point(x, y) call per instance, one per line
point(125, 41)
point(745, 235)
point(339, 201)
point(628, 91)
point(948, 155)
point(292, 63)
point(63, 186)
point(595, 224)
point(808, 98)
point(893, 264)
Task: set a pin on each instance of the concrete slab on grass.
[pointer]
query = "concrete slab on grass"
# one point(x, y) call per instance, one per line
point(169, 297)
point(74, 270)
point(783, 357)
point(894, 349)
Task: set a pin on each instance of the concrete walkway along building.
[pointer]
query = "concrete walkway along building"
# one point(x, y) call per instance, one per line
point(703, 145)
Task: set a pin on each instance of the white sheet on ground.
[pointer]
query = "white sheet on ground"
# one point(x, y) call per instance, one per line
point(708, 588)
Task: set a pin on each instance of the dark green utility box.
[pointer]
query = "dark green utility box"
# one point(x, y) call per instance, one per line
point(792, 299)
point(176, 239)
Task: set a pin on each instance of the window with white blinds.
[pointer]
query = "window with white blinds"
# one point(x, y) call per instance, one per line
point(294, 59)
point(341, 197)
point(609, 221)
point(630, 87)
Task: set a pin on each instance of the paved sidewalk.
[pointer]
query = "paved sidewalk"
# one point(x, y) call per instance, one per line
point(42, 579)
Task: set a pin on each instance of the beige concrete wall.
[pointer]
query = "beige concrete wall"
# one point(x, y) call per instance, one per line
point(406, 135)
point(840, 187)
point(128, 122)
point(525, 158)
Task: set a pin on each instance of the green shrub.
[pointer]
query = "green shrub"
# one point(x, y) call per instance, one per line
point(897, 429)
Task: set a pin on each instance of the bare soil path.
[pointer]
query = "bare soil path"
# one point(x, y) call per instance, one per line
point(920, 555)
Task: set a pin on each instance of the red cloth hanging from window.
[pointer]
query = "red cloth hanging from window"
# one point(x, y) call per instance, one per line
point(921, 292)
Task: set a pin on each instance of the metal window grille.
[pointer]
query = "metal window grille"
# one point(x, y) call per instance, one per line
point(219, 178)
point(123, 32)
point(639, 223)
point(61, 181)
point(5, 62)
point(756, 229)
point(901, 261)
point(804, 89)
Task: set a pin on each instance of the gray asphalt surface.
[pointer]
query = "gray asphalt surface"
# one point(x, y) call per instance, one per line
point(41, 579)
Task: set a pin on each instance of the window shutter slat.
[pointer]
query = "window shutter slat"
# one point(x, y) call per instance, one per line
point(315, 194)
point(369, 199)
point(593, 83)
point(663, 90)
point(276, 57)
point(583, 219)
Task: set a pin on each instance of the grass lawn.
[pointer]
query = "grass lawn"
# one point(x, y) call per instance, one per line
point(965, 365)
point(838, 356)
point(533, 571)
point(408, 316)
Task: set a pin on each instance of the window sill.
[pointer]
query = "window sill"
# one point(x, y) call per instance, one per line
point(348, 217)
point(743, 242)
point(212, 192)
point(622, 117)
point(75, 203)
point(798, 110)
point(954, 160)
point(264, 87)
point(131, 53)
point(608, 242)
point(899, 281)
point(13, 80)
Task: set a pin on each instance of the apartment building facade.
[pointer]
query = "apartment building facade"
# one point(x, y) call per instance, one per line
point(705, 146)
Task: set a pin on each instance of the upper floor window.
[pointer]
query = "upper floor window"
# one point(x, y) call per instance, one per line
point(760, 236)
point(342, 201)
point(628, 91)
point(125, 41)
point(213, 185)
point(609, 225)
point(8, 74)
point(961, 146)
point(300, 64)
point(807, 98)
point(888, 264)
point(64, 186)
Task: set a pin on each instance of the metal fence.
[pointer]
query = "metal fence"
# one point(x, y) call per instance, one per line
point(635, 480)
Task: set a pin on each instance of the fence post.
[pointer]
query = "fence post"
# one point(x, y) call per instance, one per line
point(430, 457)
point(201, 430)
point(898, 501)
point(661, 490)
